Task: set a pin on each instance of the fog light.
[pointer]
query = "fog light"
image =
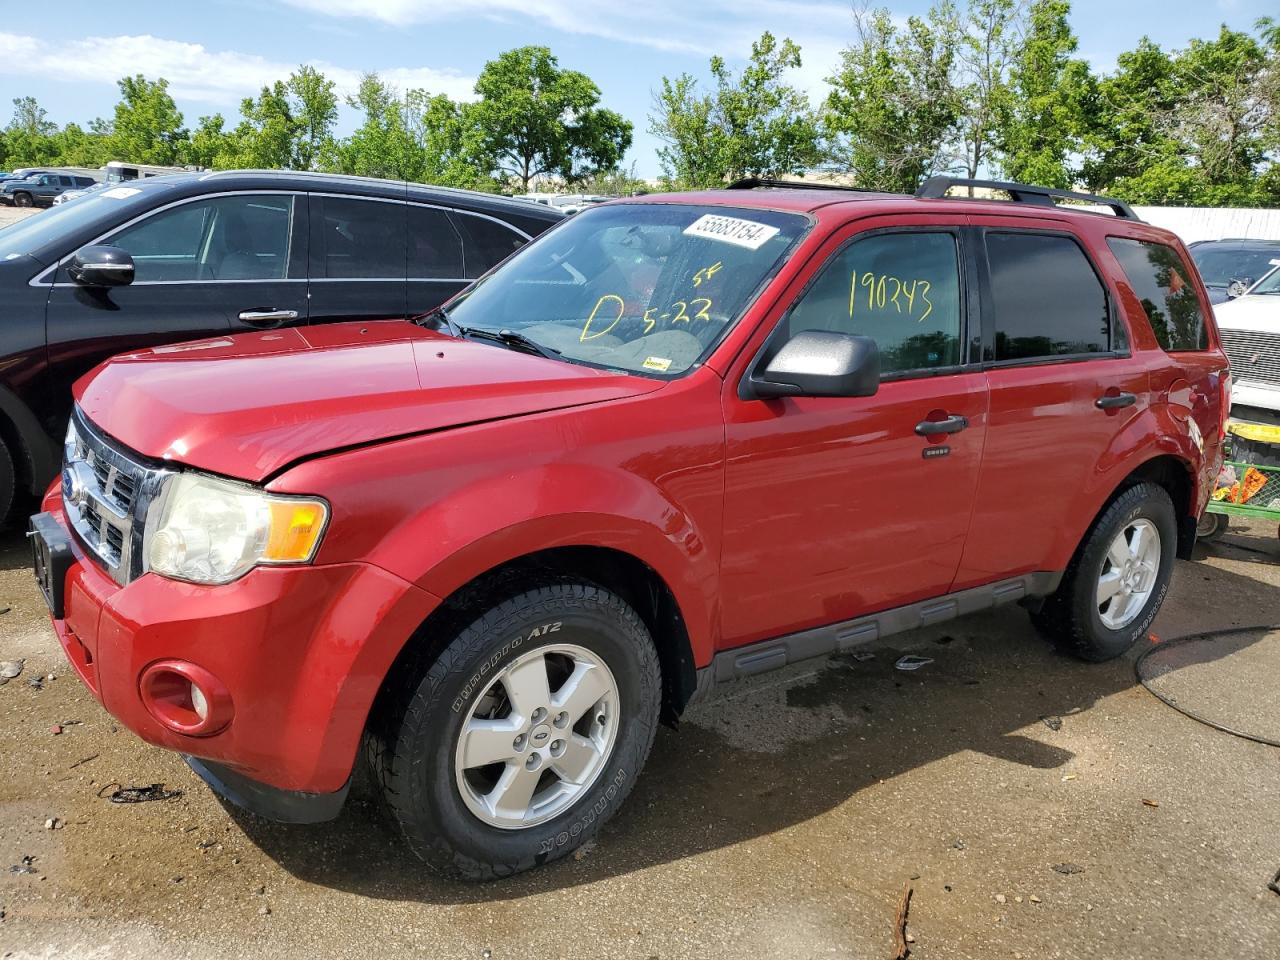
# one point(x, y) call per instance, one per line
point(185, 698)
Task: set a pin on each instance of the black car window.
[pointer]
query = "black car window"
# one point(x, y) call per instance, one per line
point(1159, 277)
point(361, 239)
point(1047, 300)
point(486, 243)
point(435, 249)
point(1220, 263)
point(239, 237)
point(900, 289)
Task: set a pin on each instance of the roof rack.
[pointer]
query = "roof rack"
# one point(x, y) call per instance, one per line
point(935, 188)
point(751, 183)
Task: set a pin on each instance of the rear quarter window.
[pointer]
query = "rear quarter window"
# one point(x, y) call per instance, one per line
point(1162, 283)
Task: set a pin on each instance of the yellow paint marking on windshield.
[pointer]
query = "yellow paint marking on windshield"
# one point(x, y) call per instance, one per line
point(706, 273)
point(585, 335)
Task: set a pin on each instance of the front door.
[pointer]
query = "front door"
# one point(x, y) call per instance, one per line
point(208, 267)
point(835, 508)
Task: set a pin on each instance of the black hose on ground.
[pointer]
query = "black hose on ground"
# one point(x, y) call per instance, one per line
point(1178, 641)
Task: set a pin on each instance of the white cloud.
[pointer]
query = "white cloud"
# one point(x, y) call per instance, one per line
point(194, 72)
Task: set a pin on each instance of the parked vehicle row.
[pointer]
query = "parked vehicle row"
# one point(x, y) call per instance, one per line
point(40, 189)
point(182, 257)
point(675, 441)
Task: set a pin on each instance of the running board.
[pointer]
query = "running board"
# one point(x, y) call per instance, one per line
point(768, 655)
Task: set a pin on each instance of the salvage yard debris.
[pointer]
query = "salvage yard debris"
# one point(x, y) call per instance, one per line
point(10, 669)
point(912, 662)
point(123, 794)
point(900, 925)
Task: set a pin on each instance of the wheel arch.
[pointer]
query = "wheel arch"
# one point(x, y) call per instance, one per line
point(33, 456)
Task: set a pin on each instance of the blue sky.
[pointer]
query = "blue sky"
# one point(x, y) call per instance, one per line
point(215, 51)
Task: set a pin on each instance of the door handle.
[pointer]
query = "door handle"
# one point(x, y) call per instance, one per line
point(268, 318)
point(952, 424)
point(1115, 401)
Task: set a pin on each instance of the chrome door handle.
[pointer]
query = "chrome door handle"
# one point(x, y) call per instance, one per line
point(1115, 401)
point(952, 424)
point(268, 318)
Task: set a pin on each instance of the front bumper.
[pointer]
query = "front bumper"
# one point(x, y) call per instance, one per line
point(302, 652)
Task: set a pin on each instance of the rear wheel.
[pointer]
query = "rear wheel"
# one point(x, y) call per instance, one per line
point(22, 199)
point(523, 736)
point(7, 483)
point(1119, 577)
point(1211, 526)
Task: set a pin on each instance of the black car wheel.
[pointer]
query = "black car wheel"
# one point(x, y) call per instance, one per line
point(22, 199)
point(513, 746)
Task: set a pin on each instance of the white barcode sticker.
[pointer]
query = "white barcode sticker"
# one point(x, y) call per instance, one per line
point(741, 233)
point(120, 193)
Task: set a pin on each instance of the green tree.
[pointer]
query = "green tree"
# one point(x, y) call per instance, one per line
point(751, 124)
point(985, 56)
point(893, 102)
point(382, 145)
point(1050, 95)
point(538, 119)
point(29, 135)
point(147, 127)
point(264, 138)
point(315, 110)
point(209, 146)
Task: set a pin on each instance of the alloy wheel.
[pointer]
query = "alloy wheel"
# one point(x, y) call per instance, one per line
point(1129, 573)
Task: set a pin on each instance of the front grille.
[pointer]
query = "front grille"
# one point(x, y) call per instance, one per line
point(105, 493)
point(1254, 355)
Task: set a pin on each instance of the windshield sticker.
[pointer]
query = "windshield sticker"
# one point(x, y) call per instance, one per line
point(1274, 263)
point(119, 193)
point(661, 364)
point(884, 289)
point(740, 233)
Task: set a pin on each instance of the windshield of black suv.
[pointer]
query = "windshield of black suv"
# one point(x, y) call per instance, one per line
point(639, 287)
point(1219, 264)
point(1268, 285)
point(34, 233)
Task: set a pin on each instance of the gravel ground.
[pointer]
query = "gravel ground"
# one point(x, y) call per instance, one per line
point(781, 821)
point(10, 215)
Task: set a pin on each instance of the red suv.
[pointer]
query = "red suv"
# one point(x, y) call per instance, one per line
point(672, 442)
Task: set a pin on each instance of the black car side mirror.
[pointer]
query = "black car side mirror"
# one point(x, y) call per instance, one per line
point(819, 363)
point(101, 265)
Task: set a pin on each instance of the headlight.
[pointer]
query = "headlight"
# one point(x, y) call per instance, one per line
point(208, 530)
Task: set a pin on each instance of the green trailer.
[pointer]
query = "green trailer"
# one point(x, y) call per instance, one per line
point(1249, 485)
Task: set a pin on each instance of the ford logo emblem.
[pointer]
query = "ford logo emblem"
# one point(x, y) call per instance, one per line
point(72, 489)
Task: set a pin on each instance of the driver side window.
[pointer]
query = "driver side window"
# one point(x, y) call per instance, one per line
point(900, 289)
point(243, 237)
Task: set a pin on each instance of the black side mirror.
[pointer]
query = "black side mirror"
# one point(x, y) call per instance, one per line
point(101, 265)
point(819, 363)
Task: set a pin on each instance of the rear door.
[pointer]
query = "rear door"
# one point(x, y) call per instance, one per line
point(838, 507)
point(1063, 383)
point(358, 258)
point(436, 262)
point(212, 265)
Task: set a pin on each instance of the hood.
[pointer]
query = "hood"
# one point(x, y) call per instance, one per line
point(245, 406)
point(1259, 313)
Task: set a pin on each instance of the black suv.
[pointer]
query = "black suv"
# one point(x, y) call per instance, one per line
point(1230, 267)
point(192, 256)
point(41, 189)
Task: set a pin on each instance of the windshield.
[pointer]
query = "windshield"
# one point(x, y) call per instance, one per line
point(637, 287)
point(1219, 265)
point(1270, 284)
point(33, 233)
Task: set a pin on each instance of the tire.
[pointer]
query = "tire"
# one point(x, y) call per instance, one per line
point(8, 483)
point(22, 200)
point(1073, 618)
point(1211, 526)
point(413, 745)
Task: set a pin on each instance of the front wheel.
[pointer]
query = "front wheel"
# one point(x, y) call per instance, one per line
point(1118, 578)
point(22, 199)
point(523, 736)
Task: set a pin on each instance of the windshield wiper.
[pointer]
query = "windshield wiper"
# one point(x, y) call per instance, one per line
point(431, 319)
point(509, 338)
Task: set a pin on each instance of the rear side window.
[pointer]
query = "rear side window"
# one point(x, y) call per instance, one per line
point(1047, 300)
point(435, 248)
point(1161, 280)
point(486, 243)
point(360, 239)
point(900, 289)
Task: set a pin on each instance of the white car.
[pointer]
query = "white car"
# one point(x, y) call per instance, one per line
point(1249, 327)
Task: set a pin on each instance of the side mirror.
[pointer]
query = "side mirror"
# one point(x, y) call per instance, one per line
point(101, 266)
point(819, 363)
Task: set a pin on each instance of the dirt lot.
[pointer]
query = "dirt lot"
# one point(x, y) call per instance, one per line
point(781, 820)
point(10, 215)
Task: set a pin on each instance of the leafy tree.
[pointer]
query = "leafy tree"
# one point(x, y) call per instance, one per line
point(455, 151)
point(382, 146)
point(986, 53)
point(209, 145)
point(893, 101)
point(751, 124)
point(28, 137)
point(315, 110)
point(147, 127)
point(1050, 96)
point(264, 138)
point(538, 119)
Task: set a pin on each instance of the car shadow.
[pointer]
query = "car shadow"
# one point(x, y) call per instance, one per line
point(775, 751)
point(14, 552)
